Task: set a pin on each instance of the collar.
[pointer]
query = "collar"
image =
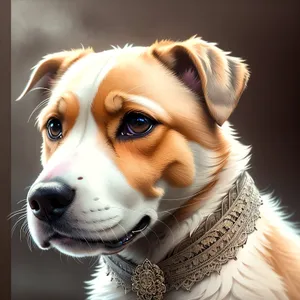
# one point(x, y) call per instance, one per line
point(215, 242)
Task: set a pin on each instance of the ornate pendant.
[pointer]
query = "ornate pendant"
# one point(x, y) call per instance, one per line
point(148, 281)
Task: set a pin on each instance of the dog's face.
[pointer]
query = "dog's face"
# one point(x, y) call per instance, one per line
point(118, 134)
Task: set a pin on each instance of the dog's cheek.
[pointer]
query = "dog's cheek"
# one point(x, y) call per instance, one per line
point(171, 161)
point(181, 172)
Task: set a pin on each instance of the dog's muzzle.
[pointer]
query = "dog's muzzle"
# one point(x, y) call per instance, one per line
point(50, 200)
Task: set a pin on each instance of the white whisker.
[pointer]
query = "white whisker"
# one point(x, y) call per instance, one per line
point(23, 200)
point(40, 88)
point(16, 213)
point(17, 223)
point(44, 102)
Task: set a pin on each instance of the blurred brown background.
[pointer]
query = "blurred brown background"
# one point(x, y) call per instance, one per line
point(265, 34)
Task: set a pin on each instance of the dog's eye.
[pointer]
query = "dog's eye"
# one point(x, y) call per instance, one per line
point(54, 129)
point(136, 125)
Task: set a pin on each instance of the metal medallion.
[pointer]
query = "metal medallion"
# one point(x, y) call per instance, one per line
point(148, 281)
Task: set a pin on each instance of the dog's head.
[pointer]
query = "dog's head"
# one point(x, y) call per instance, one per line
point(123, 128)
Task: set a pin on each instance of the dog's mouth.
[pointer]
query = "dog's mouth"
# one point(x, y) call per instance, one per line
point(109, 246)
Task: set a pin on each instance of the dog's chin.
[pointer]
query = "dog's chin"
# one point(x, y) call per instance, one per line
point(83, 247)
point(79, 248)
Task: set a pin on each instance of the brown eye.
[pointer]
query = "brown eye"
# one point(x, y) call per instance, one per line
point(54, 129)
point(136, 125)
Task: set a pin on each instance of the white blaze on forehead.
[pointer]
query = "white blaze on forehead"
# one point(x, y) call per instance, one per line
point(81, 76)
point(89, 71)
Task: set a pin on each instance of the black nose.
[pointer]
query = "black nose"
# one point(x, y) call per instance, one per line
point(49, 200)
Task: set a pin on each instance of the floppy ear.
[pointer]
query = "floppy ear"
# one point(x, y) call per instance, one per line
point(206, 70)
point(52, 66)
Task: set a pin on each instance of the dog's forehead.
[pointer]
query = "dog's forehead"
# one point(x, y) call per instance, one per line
point(84, 76)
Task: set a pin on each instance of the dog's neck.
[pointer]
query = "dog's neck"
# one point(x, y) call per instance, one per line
point(168, 233)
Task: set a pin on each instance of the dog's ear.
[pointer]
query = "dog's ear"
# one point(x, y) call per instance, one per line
point(52, 66)
point(208, 71)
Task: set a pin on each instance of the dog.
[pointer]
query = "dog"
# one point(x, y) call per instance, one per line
point(142, 168)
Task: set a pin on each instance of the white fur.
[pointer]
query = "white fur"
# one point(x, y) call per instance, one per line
point(148, 103)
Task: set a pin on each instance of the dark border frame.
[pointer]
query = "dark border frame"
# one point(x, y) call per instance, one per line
point(5, 165)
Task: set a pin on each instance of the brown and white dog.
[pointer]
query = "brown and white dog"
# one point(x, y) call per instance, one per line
point(130, 136)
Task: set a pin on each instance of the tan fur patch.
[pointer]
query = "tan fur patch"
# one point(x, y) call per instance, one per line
point(284, 257)
point(164, 153)
point(66, 109)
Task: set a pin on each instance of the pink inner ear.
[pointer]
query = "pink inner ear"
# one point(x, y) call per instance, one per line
point(191, 80)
